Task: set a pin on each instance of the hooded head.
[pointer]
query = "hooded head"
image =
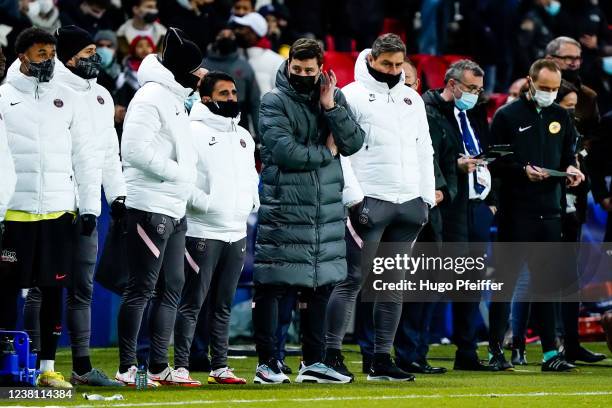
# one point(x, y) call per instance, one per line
point(182, 58)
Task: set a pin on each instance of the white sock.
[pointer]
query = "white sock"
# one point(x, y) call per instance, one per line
point(47, 365)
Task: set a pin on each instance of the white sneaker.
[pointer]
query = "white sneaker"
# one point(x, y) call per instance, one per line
point(171, 376)
point(321, 374)
point(270, 373)
point(129, 378)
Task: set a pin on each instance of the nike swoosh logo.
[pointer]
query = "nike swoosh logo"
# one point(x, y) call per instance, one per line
point(15, 103)
point(59, 277)
point(211, 143)
point(522, 129)
point(178, 113)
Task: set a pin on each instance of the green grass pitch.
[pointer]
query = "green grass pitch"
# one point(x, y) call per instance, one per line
point(591, 386)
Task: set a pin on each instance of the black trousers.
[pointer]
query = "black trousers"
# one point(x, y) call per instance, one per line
point(465, 314)
point(525, 228)
point(312, 305)
point(156, 248)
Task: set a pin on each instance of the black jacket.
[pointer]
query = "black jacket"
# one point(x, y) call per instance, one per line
point(300, 235)
point(545, 139)
point(448, 145)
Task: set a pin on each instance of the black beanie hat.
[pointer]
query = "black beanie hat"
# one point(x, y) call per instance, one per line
point(180, 55)
point(70, 41)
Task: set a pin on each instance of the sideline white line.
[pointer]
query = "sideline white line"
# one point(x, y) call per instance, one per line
point(349, 398)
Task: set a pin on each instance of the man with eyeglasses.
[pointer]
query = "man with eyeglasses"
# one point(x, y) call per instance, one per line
point(567, 54)
point(455, 111)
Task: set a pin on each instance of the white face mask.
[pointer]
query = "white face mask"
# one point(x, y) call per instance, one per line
point(545, 99)
point(542, 98)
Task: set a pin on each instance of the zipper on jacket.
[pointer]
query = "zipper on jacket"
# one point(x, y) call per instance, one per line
point(317, 232)
point(232, 150)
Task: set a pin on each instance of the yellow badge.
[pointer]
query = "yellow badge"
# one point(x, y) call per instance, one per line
point(554, 127)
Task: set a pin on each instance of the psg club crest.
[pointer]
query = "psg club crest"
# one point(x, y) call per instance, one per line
point(100, 100)
point(58, 103)
point(242, 143)
point(201, 246)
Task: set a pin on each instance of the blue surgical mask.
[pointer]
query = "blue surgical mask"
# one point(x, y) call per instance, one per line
point(107, 55)
point(553, 8)
point(466, 102)
point(607, 65)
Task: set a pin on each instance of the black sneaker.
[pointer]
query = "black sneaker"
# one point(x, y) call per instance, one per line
point(582, 354)
point(285, 369)
point(384, 369)
point(498, 361)
point(557, 364)
point(422, 367)
point(519, 357)
point(335, 360)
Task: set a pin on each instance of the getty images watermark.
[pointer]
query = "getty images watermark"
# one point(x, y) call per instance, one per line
point(431, 272)
point(412, 264)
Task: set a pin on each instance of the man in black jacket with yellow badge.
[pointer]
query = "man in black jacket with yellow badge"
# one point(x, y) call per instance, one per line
point(542, 138)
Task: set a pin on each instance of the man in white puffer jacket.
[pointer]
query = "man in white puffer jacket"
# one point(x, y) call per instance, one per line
point(52, 144)
point(76, 49)
point(226, 193)
point(389, 187)
point(160, 171)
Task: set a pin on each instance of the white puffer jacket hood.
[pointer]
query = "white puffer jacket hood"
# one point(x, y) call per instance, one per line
point(51, 141)
point(395, 163)
point(157, 147)
point(227, 184)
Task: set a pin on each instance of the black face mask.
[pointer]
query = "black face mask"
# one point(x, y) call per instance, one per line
point(571, 75)
point(150, 18)
point(188, 80)
point(88, 68)
point(390, 80)
point(303, 84)
point(227, 109)
point(42, 71)
point(226, 45)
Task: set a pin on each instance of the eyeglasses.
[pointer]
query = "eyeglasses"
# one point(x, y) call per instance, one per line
point(568, 59)
point(473, 89)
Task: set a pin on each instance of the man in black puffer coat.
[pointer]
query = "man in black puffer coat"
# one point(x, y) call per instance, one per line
point(304, 123)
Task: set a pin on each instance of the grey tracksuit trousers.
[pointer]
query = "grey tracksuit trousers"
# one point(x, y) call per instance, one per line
point(156, 249)
point(373, 221)
point(212, 268)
